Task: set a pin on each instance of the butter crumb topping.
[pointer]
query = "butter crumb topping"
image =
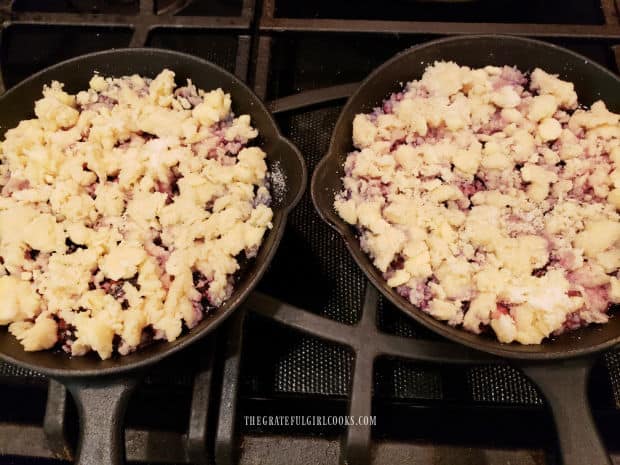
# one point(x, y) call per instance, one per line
point(123, 212)
point(490, 200)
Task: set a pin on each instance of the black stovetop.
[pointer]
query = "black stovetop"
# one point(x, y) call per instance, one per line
point(299, 347)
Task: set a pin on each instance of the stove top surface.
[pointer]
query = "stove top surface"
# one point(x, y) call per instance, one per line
point(455, 407)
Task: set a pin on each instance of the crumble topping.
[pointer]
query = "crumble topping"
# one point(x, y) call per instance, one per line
point(490, 200)
point(124, 213)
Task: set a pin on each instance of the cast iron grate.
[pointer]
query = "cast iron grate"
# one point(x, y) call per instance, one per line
point(50, 44)
point(487, 11)
point(400, 379)
point(218, 47)
point(35, 35)
point(331, 284)
point(298, 53)
point(256, 366)
point(83, 25)
point(507, 385)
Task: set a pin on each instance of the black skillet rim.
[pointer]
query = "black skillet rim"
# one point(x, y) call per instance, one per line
point(259, 269)
point(458, 335)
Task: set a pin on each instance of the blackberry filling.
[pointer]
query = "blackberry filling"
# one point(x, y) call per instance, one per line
point(487, 198)
point(72, 246)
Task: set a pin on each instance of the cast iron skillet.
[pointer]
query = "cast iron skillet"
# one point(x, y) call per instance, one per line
point(101, 388)
point(592, 82)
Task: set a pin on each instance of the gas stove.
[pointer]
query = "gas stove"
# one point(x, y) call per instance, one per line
point(316, 338)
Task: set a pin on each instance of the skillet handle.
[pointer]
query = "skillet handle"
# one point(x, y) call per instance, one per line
point(101, 405)
point(565, 386)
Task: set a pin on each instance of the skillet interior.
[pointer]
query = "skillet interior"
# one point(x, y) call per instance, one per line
point(592, 82)
point(18, 104)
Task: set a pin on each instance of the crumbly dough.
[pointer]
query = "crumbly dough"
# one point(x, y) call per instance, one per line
point(123, 213)
point(490, 200)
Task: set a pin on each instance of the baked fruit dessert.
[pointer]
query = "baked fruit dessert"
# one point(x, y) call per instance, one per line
point(125, 213)
point(489, 199)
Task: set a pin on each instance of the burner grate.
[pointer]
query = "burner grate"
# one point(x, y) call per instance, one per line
point(393, 321)
point(36, 35)
point(357, 355)
point(501, 384)
point(295, 53)
point(296, 366)
point(79, 6)
point(220, 48)
point(487, 11)
point(50, 44)
point(332, 285)
point(399, 379)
